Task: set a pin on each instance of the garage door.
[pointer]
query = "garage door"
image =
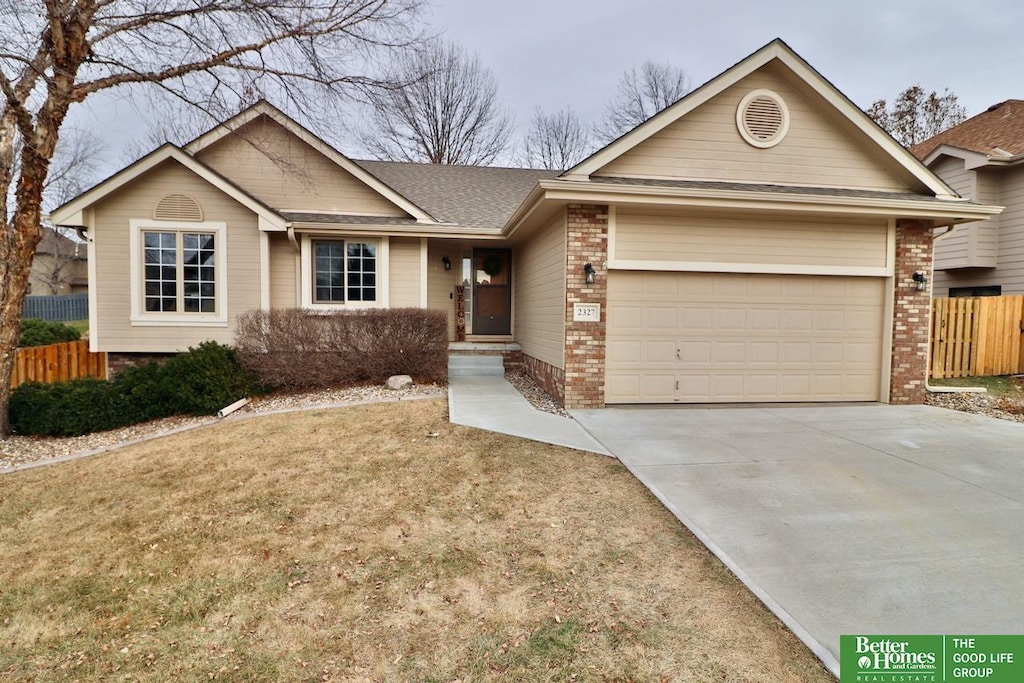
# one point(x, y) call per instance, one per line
point(724, 337)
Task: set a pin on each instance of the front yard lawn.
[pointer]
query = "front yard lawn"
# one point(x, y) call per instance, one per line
point(368, 543)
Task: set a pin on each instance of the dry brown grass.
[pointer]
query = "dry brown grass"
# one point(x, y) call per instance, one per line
point(354, 545)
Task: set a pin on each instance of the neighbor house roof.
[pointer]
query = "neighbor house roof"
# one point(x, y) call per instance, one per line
point(482, 197)
point(997, 132)
point(53, 242)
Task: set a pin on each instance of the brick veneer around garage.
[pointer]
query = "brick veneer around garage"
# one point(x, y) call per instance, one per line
point(911, 313)
point(587, 242)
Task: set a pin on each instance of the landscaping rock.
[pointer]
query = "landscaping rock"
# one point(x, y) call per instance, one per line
point(398, 382)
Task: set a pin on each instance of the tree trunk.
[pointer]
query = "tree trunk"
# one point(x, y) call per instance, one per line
point(20, 249)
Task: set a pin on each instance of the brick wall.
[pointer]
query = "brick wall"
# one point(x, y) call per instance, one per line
point(911, 311)
point(587, 226)
point(550, 378)
point(117, 361)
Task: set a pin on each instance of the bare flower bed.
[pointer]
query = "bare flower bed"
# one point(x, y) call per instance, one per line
point(1002, 407)
point(535, 394)
point(20, 450)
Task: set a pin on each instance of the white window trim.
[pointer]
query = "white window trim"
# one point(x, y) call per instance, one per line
point(142, 318)
point(306, 273)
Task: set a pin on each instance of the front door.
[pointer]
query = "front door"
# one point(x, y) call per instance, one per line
point(492, 291)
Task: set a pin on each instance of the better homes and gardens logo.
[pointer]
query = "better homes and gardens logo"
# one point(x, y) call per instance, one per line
point(931, 659)
point(893, 659)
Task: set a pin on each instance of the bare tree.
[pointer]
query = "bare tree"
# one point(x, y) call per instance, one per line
point(56, 53)
point(641, 94)
point(446, 113)
point(915, 116)
point(555, 141)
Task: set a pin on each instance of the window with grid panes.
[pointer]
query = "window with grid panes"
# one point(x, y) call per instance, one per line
point(180, 273)
point(344, 270)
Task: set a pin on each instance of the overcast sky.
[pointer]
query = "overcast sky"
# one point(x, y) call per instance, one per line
point(557, 53)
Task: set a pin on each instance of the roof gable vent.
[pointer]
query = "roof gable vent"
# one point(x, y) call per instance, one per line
point(178, 207)
point(762, 118)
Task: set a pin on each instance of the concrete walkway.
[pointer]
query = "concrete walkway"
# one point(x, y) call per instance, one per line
point(490, 402)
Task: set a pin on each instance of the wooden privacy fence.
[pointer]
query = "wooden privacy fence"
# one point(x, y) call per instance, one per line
point(57, 363)
point(977, 336)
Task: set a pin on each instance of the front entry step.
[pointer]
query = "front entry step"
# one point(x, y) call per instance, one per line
point(475, 366)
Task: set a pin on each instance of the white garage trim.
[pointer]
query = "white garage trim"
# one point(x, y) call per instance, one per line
point(766, 268)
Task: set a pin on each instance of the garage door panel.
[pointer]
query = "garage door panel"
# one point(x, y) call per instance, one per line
point(725, 337)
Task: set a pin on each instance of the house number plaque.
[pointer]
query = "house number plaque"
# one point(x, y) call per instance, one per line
point(586, 313)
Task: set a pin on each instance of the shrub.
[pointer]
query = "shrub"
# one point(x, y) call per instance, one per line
point(206, 379)
point(298, 349)
point(35, 332)
point(198, 382)
point(66, 408)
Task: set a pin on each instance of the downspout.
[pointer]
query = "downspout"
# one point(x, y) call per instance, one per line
point(292, 238)
point(928, 369)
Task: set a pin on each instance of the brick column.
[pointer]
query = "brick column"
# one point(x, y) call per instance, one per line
point(587, 232)
point(911, 313)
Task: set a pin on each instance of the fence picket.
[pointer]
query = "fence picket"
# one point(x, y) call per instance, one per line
point(57, 363)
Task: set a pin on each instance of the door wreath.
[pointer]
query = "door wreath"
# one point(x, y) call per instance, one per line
point(492, 265)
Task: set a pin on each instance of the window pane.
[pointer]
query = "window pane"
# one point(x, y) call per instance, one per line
point(361, 263)
point(200, 281)
point(159, 282)
point(329, 271)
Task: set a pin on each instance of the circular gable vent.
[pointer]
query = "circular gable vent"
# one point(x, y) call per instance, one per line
point(762, 118)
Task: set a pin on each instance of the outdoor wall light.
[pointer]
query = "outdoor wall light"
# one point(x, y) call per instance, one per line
point(922, 281)
point(447, 262)
point(588, 270)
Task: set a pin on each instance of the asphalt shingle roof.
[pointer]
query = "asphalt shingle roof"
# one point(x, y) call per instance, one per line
point(481, 197)
point(1001, 127)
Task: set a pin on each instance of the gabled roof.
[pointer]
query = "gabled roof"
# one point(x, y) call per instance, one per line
point(70, 213)
point(998, 133)
point(264, 108)
point(483, 197)
point(775, 50)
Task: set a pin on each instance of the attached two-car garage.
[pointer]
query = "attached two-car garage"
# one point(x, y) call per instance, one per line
point(719, 337)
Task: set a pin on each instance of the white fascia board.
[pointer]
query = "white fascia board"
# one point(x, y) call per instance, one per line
point(958, 211)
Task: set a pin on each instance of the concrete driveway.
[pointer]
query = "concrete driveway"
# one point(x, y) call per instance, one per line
point(844, 519)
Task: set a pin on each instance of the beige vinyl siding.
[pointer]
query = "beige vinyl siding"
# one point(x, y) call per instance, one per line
point(971, 245)
point(404, 272)
point(1009, 272)
point(440, 282)
point(716, 238)
point(283, 272)
point(821, 148)
point(284, 172)
point(539, 277)
point(111, 231)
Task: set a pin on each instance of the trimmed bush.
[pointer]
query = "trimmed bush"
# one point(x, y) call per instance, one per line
point(299, 349)
point(36, 332)
point(199, 382)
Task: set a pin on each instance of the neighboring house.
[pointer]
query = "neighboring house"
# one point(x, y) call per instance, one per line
point(982, 159)
point(755, 241)
point(59, 266)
